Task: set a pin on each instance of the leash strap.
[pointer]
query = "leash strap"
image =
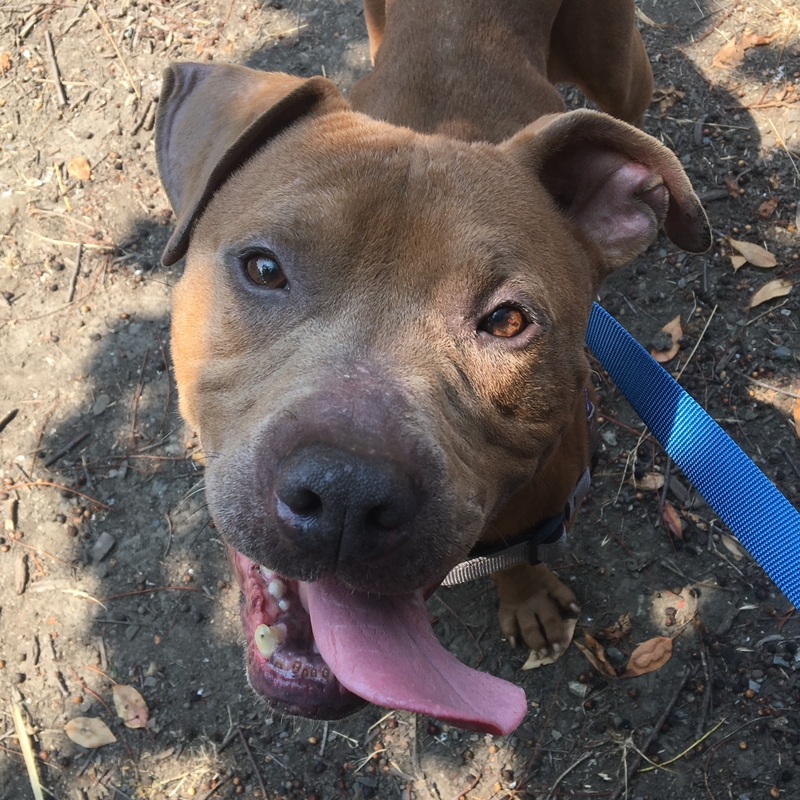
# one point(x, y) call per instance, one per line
point(546, 541)
point(760, 517)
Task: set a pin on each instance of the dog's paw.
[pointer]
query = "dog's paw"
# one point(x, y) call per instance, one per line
point(539, 608)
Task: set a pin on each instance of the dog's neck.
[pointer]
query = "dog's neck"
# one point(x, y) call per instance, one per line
point(470, 70)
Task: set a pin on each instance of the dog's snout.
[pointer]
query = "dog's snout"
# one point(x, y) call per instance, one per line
point(343, 506)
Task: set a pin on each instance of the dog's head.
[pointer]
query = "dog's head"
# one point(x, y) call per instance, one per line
point(379, 334)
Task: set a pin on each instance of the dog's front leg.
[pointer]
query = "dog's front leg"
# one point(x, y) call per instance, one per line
point(537, 606)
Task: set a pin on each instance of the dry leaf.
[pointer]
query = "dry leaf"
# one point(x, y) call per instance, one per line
point(757, 256)
point(796, 417)
point(649, 656)
point(5, 62)
point(672, 520)
point(89, 732)
point(731, 54)
point(79, 169)
point(738, 262)
point(780, 287)
point(594, 652)
point(666, 97)
point(732, 185)
point(767, 208)
point(673, 328)
point(534, 661)
point(620, 628)
point(130, 705)
point(649, 481)
point(733, 547)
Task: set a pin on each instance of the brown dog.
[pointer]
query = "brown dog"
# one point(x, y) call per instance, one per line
point(379, 332)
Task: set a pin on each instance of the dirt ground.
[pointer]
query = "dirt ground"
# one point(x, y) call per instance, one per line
point(112, 573)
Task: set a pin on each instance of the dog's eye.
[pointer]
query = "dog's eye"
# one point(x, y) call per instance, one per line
point(505, 321)
point(263, 270)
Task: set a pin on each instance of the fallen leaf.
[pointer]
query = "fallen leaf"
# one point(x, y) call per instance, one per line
point(649, 481)
point(673, 520)
point(79, 169)
point(130, 705)
point(89, 732)
point(757, 256)
point(732, 185)
point(618, 629)
point(733, 547)
point(731, 54)
point(535, 661)
point(673, 328)
point(767, 208)
point(780, 287)
point(5, 62)
point(796, 417)
point(596, 656)
point(649, 656)
point(666, 97)
point(738, 262)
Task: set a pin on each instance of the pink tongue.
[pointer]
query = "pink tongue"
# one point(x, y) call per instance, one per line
point(382, 648)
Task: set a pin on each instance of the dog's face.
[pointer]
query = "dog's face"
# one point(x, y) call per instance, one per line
point(379, 336)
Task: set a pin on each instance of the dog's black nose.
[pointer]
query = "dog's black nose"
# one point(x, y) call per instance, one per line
point(342, 506)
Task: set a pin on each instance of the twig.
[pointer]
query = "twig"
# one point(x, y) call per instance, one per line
point(74, 279)
point(634, 766)
point(8, 418)
point(697, 343)
point(69, 489)
point(463, 793)
point(564, 774)
point(27, 751)
point(119, 54)
point(253, 764)
point(66, 448)
point(54, 71)
point(221, 782)
point(136, 395)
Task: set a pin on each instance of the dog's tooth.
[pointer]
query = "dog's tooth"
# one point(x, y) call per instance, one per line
point(283, 605)
point(266, 574)
point(269, 638)
point(276, 588)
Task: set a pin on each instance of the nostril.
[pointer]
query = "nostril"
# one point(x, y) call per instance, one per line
point(302, 501)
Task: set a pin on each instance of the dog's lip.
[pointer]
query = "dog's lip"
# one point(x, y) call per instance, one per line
point(286, 669)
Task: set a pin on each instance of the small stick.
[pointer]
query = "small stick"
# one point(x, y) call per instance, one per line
point(119, 54)
point(138, 126)
point(54, 71)
point(66, 448)
point(8, 418)
point(75, 274)
point(621, 787)
point(253, 763)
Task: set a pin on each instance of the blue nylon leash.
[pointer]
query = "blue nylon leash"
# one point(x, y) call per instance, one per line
point(760, 517)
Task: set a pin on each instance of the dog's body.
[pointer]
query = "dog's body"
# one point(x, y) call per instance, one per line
point(379, 333)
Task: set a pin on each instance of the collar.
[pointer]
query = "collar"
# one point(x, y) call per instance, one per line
point(545, 541)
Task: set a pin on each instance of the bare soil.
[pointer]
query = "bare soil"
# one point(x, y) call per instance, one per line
point(111, 571)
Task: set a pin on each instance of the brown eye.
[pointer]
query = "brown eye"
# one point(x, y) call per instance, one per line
point(505, 321)
point(263, 270)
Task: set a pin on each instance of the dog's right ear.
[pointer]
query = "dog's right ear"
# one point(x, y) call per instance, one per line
point(213, 118)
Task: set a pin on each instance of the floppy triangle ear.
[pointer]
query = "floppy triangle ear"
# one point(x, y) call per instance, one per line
point(616, 183)
point(211, 119)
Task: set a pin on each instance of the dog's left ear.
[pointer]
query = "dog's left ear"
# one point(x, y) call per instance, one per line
point(211, 119)
point(617, 184)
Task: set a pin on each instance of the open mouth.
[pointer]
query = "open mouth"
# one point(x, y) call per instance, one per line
point(322, 650)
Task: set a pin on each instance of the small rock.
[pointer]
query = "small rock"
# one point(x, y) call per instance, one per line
point(101, 404)
point(782, 353)
point(102, 547)
point(609, 436)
